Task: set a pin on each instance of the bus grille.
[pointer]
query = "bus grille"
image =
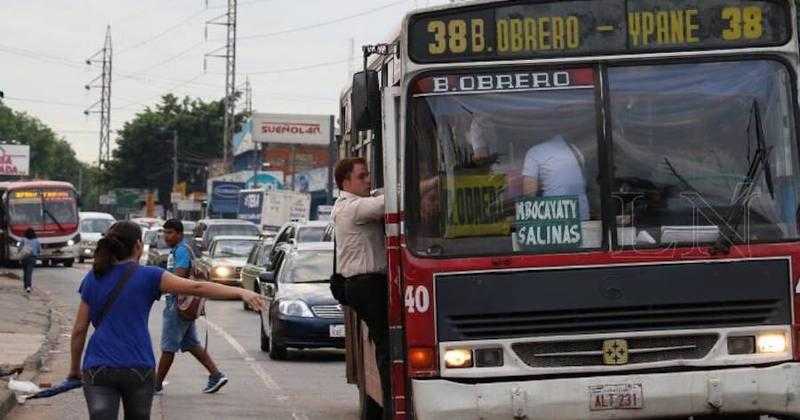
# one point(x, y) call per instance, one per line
point(613, 299)
point(719, 314)
point(590, 352)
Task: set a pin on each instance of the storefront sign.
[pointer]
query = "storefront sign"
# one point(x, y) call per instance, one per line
point(292, 129)
point(15, 160)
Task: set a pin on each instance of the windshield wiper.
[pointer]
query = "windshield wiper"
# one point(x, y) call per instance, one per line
point(758, 164)
point(47, 212)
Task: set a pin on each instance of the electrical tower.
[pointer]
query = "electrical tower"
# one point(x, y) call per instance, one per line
point(248, 96)
point(229, 101)
point(103, 106)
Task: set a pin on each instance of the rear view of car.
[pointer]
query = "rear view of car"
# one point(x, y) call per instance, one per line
point(92, 227)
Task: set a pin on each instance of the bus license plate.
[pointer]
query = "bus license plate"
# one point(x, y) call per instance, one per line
point(616, 397)
point(337, 330)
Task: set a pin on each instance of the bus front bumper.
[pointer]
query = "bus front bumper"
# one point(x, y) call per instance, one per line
point(771, 390)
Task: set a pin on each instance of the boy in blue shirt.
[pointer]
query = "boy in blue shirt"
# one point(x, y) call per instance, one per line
point(178, 334)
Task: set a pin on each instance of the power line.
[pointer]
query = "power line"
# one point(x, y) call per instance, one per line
point(325, 23)
point(291, 69)
point(43, 101)
point(162, 33)
point(168, 60)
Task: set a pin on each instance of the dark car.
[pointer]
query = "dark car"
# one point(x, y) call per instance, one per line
point(205, 230)
point(301, 313)
point(296, 232)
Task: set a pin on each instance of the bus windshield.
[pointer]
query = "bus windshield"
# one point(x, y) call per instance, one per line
point(43, 207)
point(512, 158)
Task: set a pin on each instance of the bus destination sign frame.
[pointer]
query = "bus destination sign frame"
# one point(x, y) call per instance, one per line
point(535, 29)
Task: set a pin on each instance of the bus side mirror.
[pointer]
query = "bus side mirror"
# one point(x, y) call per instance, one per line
point(366, 100)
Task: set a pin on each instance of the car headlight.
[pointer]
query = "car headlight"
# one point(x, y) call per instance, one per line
point(222, 272)
point(70, 242)
point(295, 308)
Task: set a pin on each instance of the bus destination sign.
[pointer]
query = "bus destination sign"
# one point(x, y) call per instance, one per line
point(524, 29)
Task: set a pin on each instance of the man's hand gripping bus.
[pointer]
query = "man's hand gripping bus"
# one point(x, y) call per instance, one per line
point(592, 209)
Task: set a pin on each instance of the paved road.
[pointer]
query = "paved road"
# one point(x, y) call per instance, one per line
point(310, 385)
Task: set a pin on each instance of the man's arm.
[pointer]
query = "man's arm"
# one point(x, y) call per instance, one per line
point(530, 186)
point(369, 209)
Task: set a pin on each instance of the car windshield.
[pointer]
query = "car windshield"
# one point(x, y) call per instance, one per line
point(232, 248)
point(160, 242)
point(307, 267)
point(233, 230)
point(310, 233)
point(515, 170)
point(95, 225)
point(150, 236)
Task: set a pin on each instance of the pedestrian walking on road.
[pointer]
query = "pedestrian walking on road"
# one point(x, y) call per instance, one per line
point(31, 248)
point(116, 297)
point(177, 333)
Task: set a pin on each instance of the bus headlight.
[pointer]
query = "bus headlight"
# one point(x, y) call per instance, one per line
point(773, 342)
point(295, 308)
point(458, 358)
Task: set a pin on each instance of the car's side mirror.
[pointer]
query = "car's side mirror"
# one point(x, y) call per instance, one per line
point(267, 277)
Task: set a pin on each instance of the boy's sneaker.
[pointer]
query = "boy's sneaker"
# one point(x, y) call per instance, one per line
point(27, 289)
point(215, 382)
point(158, 390)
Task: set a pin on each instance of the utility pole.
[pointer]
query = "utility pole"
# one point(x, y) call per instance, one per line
point(229, 101)
point(103, 57)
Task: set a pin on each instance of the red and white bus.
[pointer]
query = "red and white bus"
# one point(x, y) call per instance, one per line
point(591, 208)
point(51, 209)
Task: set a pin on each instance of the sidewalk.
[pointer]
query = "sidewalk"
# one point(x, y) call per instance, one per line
point(26, 326)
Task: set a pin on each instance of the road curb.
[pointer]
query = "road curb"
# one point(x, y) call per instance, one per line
point(33, 365)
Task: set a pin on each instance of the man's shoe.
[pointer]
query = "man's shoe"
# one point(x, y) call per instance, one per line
point(215, 382)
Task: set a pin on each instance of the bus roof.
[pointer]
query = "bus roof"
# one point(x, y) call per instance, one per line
point(15, 185)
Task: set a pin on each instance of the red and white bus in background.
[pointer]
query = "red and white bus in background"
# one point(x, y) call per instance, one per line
point(51, 209)
point(591, 209)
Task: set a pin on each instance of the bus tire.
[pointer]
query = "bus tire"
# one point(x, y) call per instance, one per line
point(68, 263)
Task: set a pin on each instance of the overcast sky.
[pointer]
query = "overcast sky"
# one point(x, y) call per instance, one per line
point(296, 53)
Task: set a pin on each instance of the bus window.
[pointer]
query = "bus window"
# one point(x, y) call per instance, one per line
point(685, 137)
point(517, 168)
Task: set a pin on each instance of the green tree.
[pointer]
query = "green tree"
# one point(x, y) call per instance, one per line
point(143, 157)
point(51, 156)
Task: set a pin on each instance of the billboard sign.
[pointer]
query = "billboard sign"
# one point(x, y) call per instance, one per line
point(292, 129)
point(250, 204)
point(225, 196)
point(15, 160)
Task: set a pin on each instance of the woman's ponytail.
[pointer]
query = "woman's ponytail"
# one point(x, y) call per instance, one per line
point(117, 245)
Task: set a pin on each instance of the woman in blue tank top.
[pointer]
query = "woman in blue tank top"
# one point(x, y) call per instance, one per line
point(119, 364)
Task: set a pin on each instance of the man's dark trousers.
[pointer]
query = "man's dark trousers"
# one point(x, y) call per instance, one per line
point(368, 295)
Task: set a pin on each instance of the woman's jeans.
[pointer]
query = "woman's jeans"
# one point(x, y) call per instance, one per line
point(27, 271)
point(105, 387)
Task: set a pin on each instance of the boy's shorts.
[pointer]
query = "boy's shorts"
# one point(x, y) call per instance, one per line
point(177, 333)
